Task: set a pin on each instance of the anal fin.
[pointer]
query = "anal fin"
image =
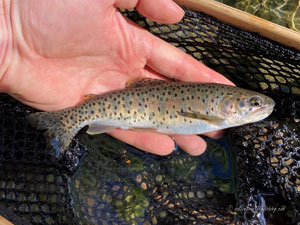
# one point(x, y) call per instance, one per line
point(98, 128)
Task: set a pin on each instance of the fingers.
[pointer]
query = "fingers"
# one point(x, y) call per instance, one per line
point(155, 143)
point(192, 144)
point(162, 11)
point(174, 63)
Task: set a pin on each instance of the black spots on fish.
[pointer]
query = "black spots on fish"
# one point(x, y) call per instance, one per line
point(184, 119)
point(175, 95)
point(222, 93)
point(116, 107)
point(130, 102)
point(124, 106)
point(182, 92)
point(157, 89)
point(92, 112)
point(145, 105)
point(171, 117)
point(158, 109)
point(174, 106)
point(183, 99)
point(140, 104)
point(153, 95)
point(93, 103)
point(163, 118)
point(212, 109)
point(99, 110)
point(115, 113)
point(192, 97)
point(188, 97)
point(134, 112)
point(169, 92)
point(206, 112)
point(119, 102)
point(211, 91)
point(217, 96)
point(167, 112)
point(189, 108)
point(212, 100)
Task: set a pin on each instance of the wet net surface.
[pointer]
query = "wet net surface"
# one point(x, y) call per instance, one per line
point(117, 184)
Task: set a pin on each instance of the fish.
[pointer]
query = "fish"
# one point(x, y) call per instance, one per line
point(168, 107)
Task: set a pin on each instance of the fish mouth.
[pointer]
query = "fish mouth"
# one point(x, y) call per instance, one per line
point(265, 111)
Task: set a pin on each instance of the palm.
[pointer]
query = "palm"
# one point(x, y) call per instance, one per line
point(88, 47)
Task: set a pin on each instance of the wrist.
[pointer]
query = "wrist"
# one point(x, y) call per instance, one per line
point(5, 41)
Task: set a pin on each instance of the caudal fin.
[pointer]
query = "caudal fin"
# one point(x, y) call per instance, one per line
point(58, 135)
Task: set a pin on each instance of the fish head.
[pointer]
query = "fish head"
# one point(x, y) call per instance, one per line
point(247, 107)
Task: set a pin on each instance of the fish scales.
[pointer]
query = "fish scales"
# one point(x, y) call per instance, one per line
point(160, 106)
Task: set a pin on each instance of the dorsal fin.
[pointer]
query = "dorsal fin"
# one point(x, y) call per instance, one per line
point(141, 82)
point(88, 97)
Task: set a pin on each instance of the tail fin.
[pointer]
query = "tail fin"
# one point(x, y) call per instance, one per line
point(58, 135)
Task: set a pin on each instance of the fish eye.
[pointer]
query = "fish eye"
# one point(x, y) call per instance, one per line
point(255, 102)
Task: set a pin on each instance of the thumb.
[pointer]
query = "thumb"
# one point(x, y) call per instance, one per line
point(162, 11)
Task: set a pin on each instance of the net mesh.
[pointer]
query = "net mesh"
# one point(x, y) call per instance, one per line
point(117, 184)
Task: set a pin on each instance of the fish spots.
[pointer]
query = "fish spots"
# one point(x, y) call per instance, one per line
point(242, 104)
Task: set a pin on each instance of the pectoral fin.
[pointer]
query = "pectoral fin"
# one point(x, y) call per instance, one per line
point(97, 128)
point(199, 116)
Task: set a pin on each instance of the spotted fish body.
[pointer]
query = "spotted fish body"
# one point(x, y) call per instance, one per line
point(160, 106)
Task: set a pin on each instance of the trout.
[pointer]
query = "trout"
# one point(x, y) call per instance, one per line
point(167, 107)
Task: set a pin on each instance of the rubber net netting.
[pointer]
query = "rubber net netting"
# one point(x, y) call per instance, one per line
point(252, 177)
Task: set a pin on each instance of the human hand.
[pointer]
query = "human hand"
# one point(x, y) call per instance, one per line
point(60, 51)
